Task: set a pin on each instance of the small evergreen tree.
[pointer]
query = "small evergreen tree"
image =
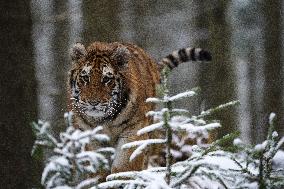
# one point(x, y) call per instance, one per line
point(256, 162)
point(73, 165)
point(170, 120)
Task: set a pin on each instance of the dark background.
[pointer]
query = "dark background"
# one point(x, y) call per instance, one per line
point(245, 38)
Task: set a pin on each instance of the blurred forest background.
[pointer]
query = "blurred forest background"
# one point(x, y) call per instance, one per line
point(244, 36)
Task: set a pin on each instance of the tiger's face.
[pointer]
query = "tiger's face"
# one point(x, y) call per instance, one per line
point(97, 81)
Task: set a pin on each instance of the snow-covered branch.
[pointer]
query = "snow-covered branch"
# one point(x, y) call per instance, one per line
point(142, 179)
point(217, 109)
point(142, 144)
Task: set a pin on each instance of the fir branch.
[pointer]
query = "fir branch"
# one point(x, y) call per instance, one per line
point(221, 143)
point(187, 173)
point(211, 111)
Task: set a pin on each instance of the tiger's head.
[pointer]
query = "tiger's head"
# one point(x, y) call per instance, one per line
point(97, 80)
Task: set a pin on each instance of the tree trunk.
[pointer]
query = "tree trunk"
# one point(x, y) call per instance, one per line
point(60, 64)
point(201, 25)
point(273, 66)
point(18, 95)
point(217, 79)
point(101, 21)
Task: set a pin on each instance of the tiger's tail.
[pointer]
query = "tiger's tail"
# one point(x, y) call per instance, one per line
point(184, 55)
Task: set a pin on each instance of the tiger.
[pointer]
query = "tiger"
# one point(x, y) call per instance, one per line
point(108, 84)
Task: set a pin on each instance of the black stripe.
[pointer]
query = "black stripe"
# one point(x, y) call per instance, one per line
point(71, 81)
point(205, 55)
point(182, 55)
point(170, 65)
point(192, 54)
point(173, 59)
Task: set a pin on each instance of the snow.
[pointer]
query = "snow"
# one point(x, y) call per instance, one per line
point(96, 159)
point(122, 175)
point(134, 179)
point(138, 151)
point(101, 137)
point(184, 177)
point(176, 153)
point(180, 119)
point(278, 159)
point(262, 146)
point(195, 169)
point(280, 143)
point(151, 128)
point(252, 185)
point(87, 182)
point(142, 144)
point(45, 126)
point(118, 183)
point(182, 95)
point(172, 98)
point(222, 161)
point(217, 163)
point(42, 143)
point(180, 110)
point(63, 187)
point(190, 128)
point(237, 142)
point(106, 149)
point(153, 113)
point(274, 134)
point(154, 100)
point(271, 118)
point(68, 115)
point(164, 110)
point(84, 137)
point(54, 166)
point(209, 111)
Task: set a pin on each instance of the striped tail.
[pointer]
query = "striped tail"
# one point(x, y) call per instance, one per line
point(184, 55)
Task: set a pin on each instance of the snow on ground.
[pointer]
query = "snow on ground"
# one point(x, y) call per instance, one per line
point(278, 160)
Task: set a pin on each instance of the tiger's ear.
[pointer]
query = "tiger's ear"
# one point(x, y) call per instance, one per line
point(121, 56)
point(77, 51)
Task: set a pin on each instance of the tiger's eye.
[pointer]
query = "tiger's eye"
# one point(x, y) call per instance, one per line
point(106, 80)
point(85, 78)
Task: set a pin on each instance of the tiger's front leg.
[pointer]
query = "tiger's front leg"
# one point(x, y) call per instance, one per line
point(121, 161)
